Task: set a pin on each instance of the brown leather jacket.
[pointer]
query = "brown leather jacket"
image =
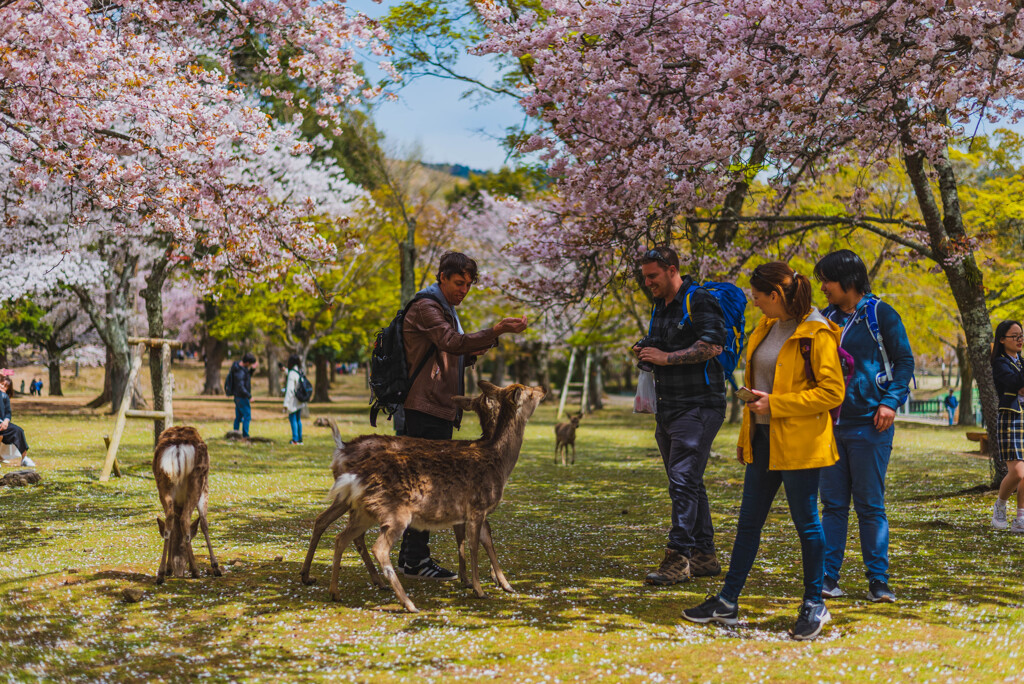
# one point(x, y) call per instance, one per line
point(428, 324)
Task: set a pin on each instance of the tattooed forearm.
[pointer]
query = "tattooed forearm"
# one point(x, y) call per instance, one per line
point(701, 351)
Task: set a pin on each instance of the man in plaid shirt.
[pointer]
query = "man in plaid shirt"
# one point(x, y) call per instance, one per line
point(691, 408)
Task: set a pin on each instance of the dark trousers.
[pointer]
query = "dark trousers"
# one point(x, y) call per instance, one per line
point(759, 488)
point(685, 444)
point(415, 546)
point(14, 435)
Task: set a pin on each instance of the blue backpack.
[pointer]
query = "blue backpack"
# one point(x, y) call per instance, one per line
point(733, 303)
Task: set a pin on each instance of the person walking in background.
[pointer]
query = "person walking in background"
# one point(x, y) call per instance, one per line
point(950, 402)
point(690, 387)
point(32, 388)
point(291, 403)
point(786, 439)
point(1009, 380)
point(239, 385)
point(873, 334)
point(23, 386)
point(9, 432)
point(436, 345)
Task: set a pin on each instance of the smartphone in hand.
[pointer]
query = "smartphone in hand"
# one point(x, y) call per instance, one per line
point(745, 395)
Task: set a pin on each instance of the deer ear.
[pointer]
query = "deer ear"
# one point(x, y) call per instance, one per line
point(194, 527)
point(464, 403)
point(487, 388)
point(160, 523)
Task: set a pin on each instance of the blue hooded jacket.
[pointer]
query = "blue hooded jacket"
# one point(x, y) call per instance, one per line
point(863, 395)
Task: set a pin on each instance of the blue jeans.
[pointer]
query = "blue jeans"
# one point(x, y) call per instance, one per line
point(685, 444)
point(295, 419)
point(243, 414)
point(951, 412)
point(759, 488)
point(860, 474)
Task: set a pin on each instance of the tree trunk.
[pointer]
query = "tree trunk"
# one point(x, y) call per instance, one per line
point(946, 233)
point(407, 251)
point(4, 361)
point(966, 386)
point(597, 381)
point(53, 354)
point(214, 353)
point(108, 384)
point(273, 374)
point(498, 373)
point(544, 369)
point(320, 385)
point(152, 295)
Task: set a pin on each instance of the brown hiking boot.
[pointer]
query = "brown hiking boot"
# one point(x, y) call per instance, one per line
point(674, 568)
point(704, 565)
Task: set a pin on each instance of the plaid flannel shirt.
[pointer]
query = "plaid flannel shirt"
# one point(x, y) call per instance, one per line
point(689, 385)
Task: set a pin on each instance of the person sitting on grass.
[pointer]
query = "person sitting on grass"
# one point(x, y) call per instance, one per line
point(1008, 374)
point(795, 378)
point(9, 432)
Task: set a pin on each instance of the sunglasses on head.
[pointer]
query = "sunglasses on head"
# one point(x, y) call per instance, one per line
point(656, 255)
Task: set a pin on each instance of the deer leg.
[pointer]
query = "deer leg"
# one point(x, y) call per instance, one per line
point(557, 449)
point(390, 531)
point(496, 574)
point(360, 544)
point(214, 568)
point(573, 462)
point(162, 572)
point(323, 521)
point(354, 529)
point(473, 533)
point(192, 566)
point(460, 544)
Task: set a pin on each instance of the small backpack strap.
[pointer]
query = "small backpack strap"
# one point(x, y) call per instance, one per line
point(805, 351)
point(871, 315)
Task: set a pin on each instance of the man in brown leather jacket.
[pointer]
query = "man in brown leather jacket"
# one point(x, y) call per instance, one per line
point(432, 333)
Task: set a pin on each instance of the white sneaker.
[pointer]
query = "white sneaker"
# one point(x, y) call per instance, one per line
point(999, 515)
point(1017, 526)
point(27, 462)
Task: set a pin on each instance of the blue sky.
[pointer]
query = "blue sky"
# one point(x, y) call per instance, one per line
point(431, 114)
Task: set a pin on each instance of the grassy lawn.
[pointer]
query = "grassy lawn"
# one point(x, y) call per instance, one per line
point(574, 542)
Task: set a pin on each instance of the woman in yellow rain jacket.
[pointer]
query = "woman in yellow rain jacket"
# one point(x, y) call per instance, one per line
point(794, 378)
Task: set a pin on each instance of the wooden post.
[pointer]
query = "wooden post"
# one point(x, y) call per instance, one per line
point(565, 385)
point(585, 398)
point(122, 415)
point(168, 378)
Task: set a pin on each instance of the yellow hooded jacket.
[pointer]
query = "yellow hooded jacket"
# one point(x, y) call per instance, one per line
point(801, 427)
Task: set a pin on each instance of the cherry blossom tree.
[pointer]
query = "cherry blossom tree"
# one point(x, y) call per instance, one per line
point(134, 108)
point(658, 115)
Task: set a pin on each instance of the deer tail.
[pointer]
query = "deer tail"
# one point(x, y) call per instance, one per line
point(177, 461)
point(347, 488)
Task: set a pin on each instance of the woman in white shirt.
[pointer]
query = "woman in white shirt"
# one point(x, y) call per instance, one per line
point(291, 404)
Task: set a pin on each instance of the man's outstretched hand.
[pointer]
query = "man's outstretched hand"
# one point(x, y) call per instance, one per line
point(511, 325)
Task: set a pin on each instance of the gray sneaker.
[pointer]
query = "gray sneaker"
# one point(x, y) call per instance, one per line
point(27, 462)
point(999, 515)
point(830, 588)
point(879, 592)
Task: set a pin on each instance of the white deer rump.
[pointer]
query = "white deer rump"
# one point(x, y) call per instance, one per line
point(177, 462)
point(347, 488)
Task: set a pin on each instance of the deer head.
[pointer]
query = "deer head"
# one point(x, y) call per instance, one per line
point(180, 543)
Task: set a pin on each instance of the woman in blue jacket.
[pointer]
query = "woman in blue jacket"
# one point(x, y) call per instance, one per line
point(1009, 380)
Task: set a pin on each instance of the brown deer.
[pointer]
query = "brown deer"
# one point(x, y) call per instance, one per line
point(565, 437)
point(401, 481)
point(181, 466)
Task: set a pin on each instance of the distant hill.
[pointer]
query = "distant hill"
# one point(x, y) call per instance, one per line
point(457, 170)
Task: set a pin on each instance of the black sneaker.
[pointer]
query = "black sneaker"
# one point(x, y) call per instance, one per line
point(714, 609)
point(830, 588)
point(879, 592)
point(809, 621)
point(428, 569)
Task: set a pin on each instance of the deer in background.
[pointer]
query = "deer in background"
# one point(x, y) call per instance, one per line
point(181, 466)
point(565, 437)
point(396, 482)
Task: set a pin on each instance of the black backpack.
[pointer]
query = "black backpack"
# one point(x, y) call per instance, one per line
point(229, 382)
point(303, 390)
point(389, 371)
